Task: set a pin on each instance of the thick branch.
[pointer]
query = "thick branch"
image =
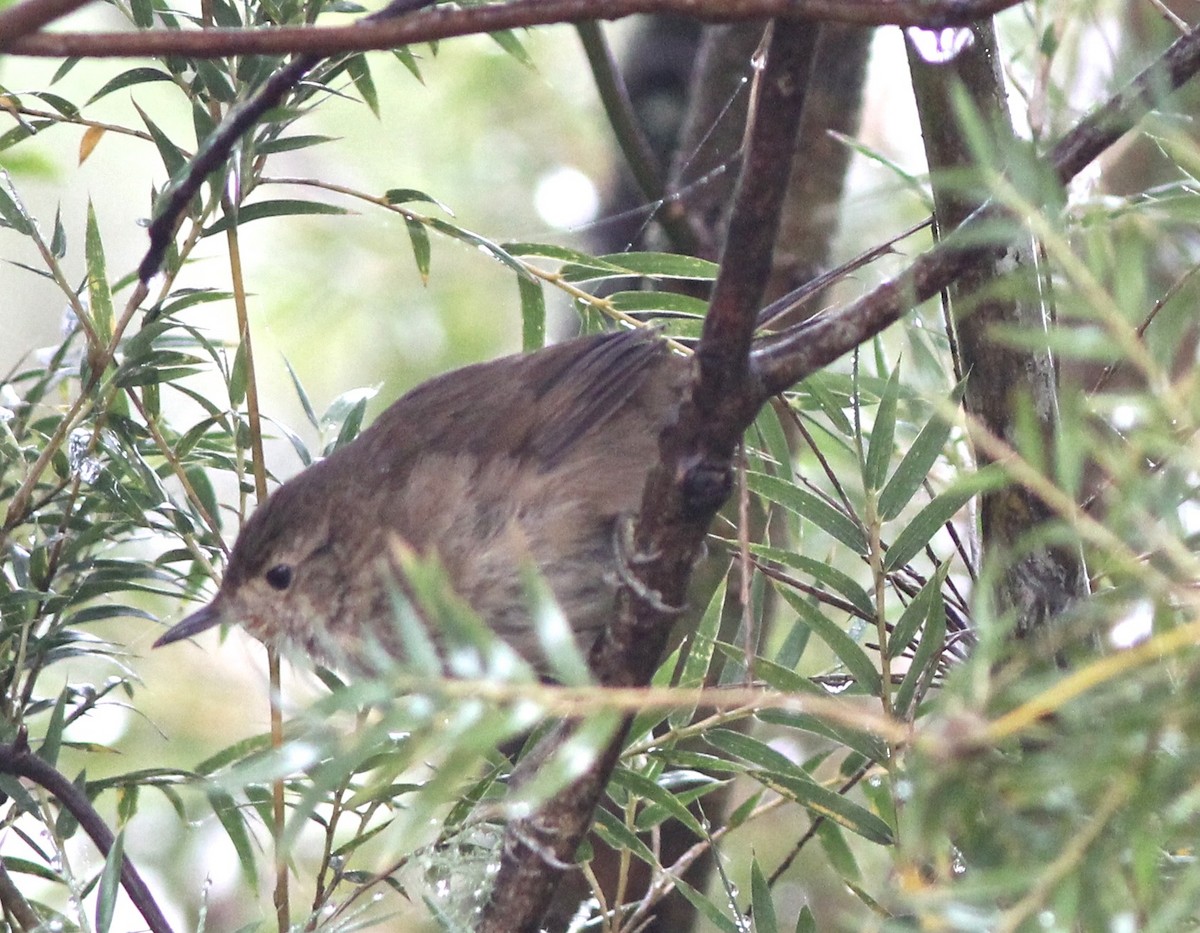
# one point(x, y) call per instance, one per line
point(517, 14)
point(786, 358)
point(682, 494)
point(1040, 581)
point(18, 760)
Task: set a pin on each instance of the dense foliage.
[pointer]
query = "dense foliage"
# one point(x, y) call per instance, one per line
point(875, 746)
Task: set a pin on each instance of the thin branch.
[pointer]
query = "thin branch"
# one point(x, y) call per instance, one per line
point(518, 14)
point(17, 759)
point(171, 208)
point(635, 146)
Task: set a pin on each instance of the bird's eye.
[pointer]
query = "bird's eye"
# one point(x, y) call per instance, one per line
point(279, 576)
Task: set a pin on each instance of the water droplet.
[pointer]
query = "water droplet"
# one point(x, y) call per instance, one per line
point(1135, 626)
point(83, 465)
point(938, 46)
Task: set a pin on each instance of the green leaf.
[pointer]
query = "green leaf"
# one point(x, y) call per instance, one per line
point(234, 823)
point(284, 207)
point(765, 920)
point(650, 791)
point(410, 195)
point(533, 313)
point(656, 301)
point(706, 908)
point(210, 76)
point(409, 61)
point(129, 79)
point(419, 237)
point(822, 572)
point(13, 214)
point(915, 613)
point(806, 922)
point(291, 143)
point(497, 252)
point(866, 745)
point(883, 434)
point(58, 240)
point(560, 253)
point(751, 750)
point(99, 296)
point(360, 74)
point(143, 13)
point(806, 505)
point(235, 752)
point(822, 801)
point(507, 40)
point(305, 402)
point(700, 650)
point(110, 879)
point(817, 387)
point(917, 462)
point(53, 740)
point(620, 837)
point(59, 103)
point(566, 660)
point(345, 415)
point(848, 651)
point(838, 852)
point(927, 655)
point(926, 523)
point(650, 265)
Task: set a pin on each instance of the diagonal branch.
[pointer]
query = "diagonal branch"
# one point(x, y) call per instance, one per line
point(17, 759)
point(171, 207)
point(446, 22)
point(681, 495)
point(784, 359)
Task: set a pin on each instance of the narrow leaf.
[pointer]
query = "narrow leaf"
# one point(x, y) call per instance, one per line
point(883, 433)
point(230, 816)
point(360, 74)
point(917, 462)
point(827, 803)
point(765, 920)
point(419, 237)
point(929, 520)
point(848, 651)
point(929, 649)
point(99, 296)
point(129, 79)
point(110, 879)
point(533, 313)
point(280, 208)
point(806, 505)
point(91, 138)
point(820, 571)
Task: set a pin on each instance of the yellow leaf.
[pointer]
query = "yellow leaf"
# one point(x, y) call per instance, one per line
point(91, 137)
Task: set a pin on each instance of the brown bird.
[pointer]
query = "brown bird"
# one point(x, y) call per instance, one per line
point(529, 460)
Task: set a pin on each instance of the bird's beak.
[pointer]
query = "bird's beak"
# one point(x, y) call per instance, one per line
point(194, 624)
